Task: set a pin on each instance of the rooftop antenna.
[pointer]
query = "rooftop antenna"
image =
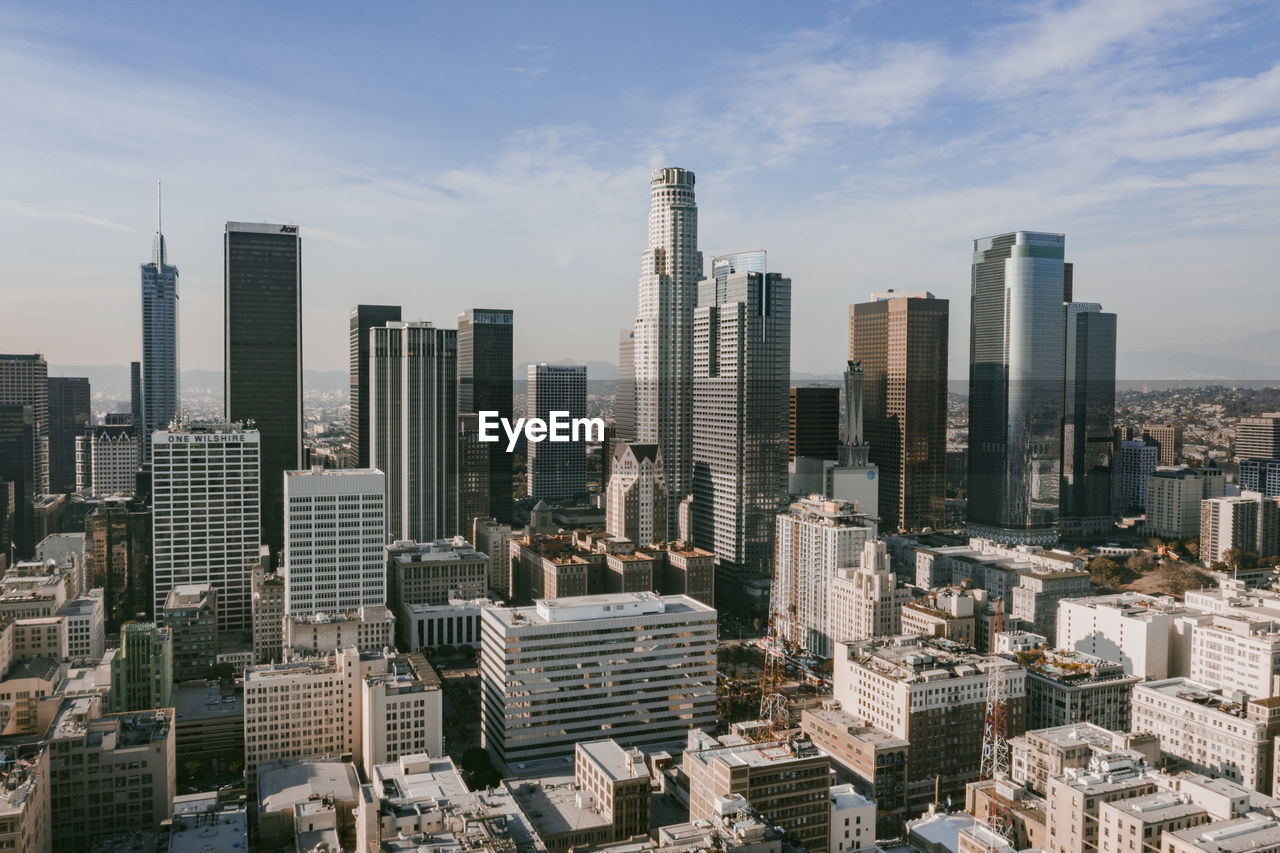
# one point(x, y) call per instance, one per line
point(159, 248)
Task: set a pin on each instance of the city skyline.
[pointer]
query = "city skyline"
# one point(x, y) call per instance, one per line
point(1164, 181)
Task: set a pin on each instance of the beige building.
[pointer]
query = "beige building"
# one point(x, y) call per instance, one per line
point(1074, 798)
point(1174, 496)
point(1040, 755)
point(866, 601)
point(369, 629)
point(493, 538)
point(1138, 825)
point(403, 712)
point(552, 565)
point(617, 781)
point(267, 601)
point(877, 759)
point(947, 613)
point(636, 494)
point(25, 811)
point(434, 572)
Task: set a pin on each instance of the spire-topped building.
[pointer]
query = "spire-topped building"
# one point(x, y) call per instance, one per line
point(670, 270)
point(160, 376)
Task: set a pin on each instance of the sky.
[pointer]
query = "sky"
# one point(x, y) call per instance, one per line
point(445, 156)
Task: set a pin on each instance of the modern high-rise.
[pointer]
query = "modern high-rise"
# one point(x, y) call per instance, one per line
point(205, 505)
point(741, 379)
point(624, 401)
point(643, 668)
point(363, 318)
point(557, 470)
point(263, 356)
point(335, 536)
point(815, 540)
point(24, 381)
point(1088, 419)
point(161, 377)
point(1019, 285)
point(900, 339)
point(68, 418)
point(670, 270)
point(815, 422)
point(135, 394)
point(1135, 463)
point(1256, 437)
point(636, 497)
point(1170, 438)
point(18, 470)
point(1259, 475)
point(413, 427)
point(485, 383)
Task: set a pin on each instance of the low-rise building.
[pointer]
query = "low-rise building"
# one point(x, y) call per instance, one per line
point(853, 820)
point(370, 629)
point(1040, 755)
point(25, 810)
point(430, 626)
point(876, 759)
point(434, 572)
point(1139, 824)
point(1074, 687)
point(947, 613)
point(1074, 798)
point(303, 804)
point(190, 612)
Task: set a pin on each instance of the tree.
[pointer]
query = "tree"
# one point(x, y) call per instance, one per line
point(445, 650)
point(1107, 572)
point(1232, 557)
point(1141, 563)
point(1193, 547)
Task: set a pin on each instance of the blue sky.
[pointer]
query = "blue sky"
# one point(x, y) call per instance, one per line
point(445, 156)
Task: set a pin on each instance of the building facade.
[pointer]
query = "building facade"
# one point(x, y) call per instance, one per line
point(68, 418)
point(636, 497)
point(160, 381)
point(1088, 419)
point(557, 470)
point(107, 459)
point(362, 319)
point(1174, 496)
point(485, 383)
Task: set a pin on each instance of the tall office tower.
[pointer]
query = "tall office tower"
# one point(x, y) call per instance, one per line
point(557, 469)
point(161, 378)
point(1256, 438)
point(1135, 462)
point(900, 339)
point(263, 373)
point(816, 539)
point(815, 423)
point(205, 505)
point(670, 270)
point(1088, 419)
point(636, 498)
point(363, 318)
point(335, 533)
point(117, 559)
point(1258, 475)
point(624, 403)
point(1015, 387)
point(107, 460)
point(413, 427)
point(646, 677)
point(473, 472)
point(1169, 437)
point(142, 670)
point(741, 377)
point(68, 418)
point(18, 468)
point(485, 383)
point(135, 394)
point(24, 381)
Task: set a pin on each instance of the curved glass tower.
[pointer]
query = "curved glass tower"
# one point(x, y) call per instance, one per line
point(1015, 387)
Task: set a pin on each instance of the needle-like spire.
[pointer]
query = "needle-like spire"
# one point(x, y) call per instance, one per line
point(158, 250)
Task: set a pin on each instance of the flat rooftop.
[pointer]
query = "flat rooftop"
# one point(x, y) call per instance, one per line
point(855, 728)
point(1255, 831)
point(281, 786)
point(617, 763)
point(196, 701)
point(551, 804)
point(1076, 734)
point(581, 608)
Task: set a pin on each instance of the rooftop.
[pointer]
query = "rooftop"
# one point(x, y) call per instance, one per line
point(617, 763)
point(283, 785)
point(202, 826)
point(1254, 831)
point(438, 551)
point(620, 605)
point(553, 805)
point(197, 700)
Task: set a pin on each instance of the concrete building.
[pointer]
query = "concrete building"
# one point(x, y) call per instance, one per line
point(876, 759)
point(205, 491)
point(1036, 597)
point(741, 376)
point(117, 559)
point(1043, 754)
point(853, 820)
point(107, 459)
point(934, 697)
point(335, 534)
point(661, 647)
point(1210, 732)
point(363, 318)
point(493, 537)
point(1248, 522)
point(1073, 687)
point(403, 712)
point(434, 572)
point(815, 540)
point(948, 613)
point(306, 805)
point(429, 626)
point(1258, 475)
point(1238, 652)
point(200, 822)
point(371, 628)
point(1258, 437)
point(685, 570)
point(1169, 437)
point(617, 781)
point(552, 566)
point(142, 669)
point(788, 782)
point(190, 613)
point(557, 470)
point(1174, 496)
point(1131, 629)
point(1074, 798)
point(268, 616)
point(133, 782)
point(86, 626)
point(210, 724)
point(1138, 460)
point(636, 496)
point(866, 601)
point(1146, 818)
point(25, 811)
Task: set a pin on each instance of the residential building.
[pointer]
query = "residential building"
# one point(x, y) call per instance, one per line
point(552, 566)
point(363, 318)
point(1169, 437)
point(1258, 437)
point(853, 820)
point(1258, 475)
point(1073, 687)
point(1238, 652)
point(876, 759)
point(485, 385)
point(107, 459)
point(948, 613)
point(493, 537)
point(1043, 754)
point(205, 489)
point(661, 647)
point(1129, 628)
point(900, 341)
point(142, 669)
point(335, 536)
point(68, 417)
point(1088, 425)
point(814, 422)
point(1036, 597)
point(1174, 496)
point(413, 416)
point(432, 572)
point(636, 496)
point(25, 811)
point(1247, 523)
point(1147, 818)
point(866, 601)
point(1019, 284)
point(1074, 798)
point(267, 604)
point(190, 613)
point(670, 270)
point(557, 470)
point(1137, 462)
point(685, 570)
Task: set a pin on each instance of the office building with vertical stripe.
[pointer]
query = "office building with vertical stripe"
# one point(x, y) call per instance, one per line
point(363, 318)
point(557, 470)
point(1088, 419)
point(24, 381)
point(485, 383)
point(160, 379)
point(263, 354)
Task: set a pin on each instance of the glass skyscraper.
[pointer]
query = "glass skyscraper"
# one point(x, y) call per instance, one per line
point(1088, 419)
point(486, 383)
point(1015, 387)
point(363, 318)
point(160, 377)
point(263, 354)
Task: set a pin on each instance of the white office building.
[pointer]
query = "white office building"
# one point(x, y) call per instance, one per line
point(107, 460)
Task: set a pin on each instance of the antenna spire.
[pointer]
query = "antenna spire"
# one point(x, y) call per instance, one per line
point(158, 250)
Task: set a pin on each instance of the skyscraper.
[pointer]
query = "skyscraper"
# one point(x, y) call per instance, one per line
point(18, 468)
point(1015, 387)
point(1088, 419)
point(135, 394)
point(68, 418)
point(263, 351)
point(636, 497)
point(363, 318)
point(670, 270)
point(741, 379)
point(413, 427)
point(24, 381)
point(557, 470)
point(624, 402)
point(485, 383)
point(160, 374)
point(1258, 437)
point(815, 422)
point(205, 509)
point(901, 341)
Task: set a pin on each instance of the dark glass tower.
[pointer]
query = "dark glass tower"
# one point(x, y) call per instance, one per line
point(135, 394)
point(68, 417)
point(815, 422)
point(263, 351)
point(485, 384)
point(363, 318)
point(1015, 387)
point(1088, 419)
point(18, 467)
point(160, 374)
